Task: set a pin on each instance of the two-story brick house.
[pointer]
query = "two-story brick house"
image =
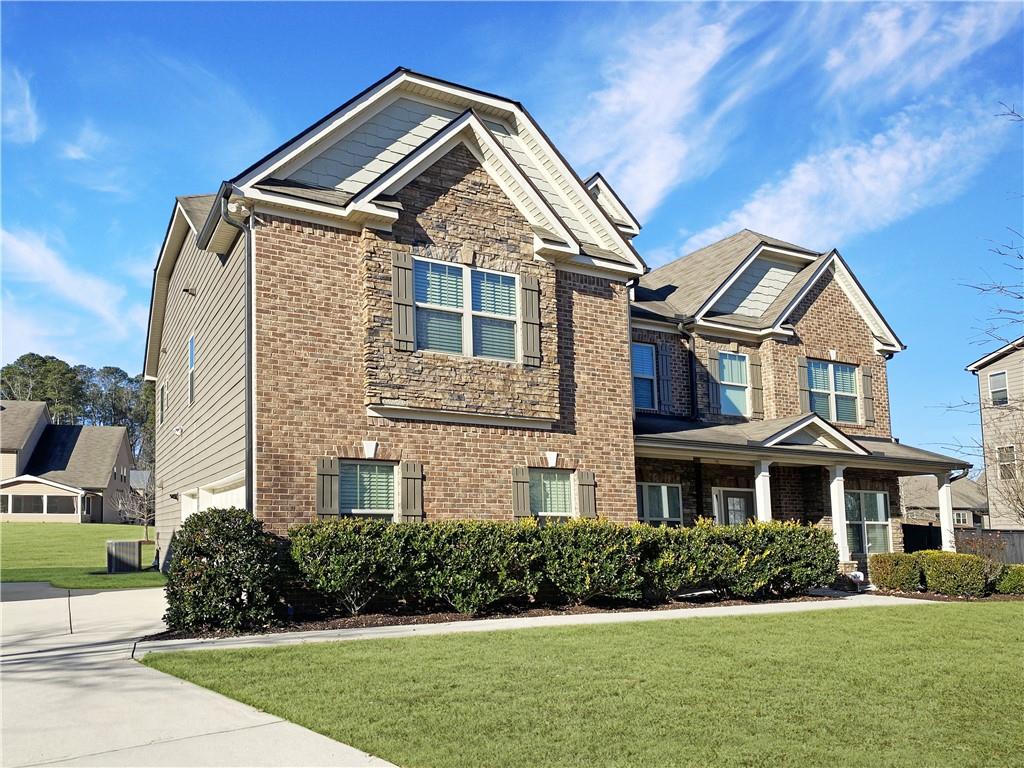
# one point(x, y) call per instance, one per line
point(1001, 404)
point(417, 309)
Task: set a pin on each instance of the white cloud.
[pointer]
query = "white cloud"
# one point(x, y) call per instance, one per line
point(911, 46)
point(21, 123)
point(926, 156)
point(87, 145)
point(29, 259)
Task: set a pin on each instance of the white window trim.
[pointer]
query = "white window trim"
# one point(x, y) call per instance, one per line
point(717, 507)
point(574, 507)
point(653, 379)
point(1005, 388)
point(831, 391)
point(960, 517)
point(467, 313)
point(722, 384)
point(864, 523)
point(190, 360)
point(642, 514)
point(1012, 463)
point(394, 514)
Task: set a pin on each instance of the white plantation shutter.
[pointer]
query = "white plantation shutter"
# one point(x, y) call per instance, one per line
point(550, 492)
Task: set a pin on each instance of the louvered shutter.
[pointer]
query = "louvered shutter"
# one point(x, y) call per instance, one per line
point(586, 495)
point(801, 381)
point(412, 491)
point(714, 388)
point(868, 395)
point(756, 387)
point(521, 492)
point(665, 377)
point(403, 323)
point(327, 486)
point(530, 295)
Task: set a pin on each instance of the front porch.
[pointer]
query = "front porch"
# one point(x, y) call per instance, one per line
point(800, 469)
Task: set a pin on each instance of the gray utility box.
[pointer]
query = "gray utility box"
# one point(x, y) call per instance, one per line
point(124, 556)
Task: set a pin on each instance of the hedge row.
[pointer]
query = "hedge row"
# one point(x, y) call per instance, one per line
point(227, 573)
point(945, 573)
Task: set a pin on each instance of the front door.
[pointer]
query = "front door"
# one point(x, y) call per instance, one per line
point(735, 507)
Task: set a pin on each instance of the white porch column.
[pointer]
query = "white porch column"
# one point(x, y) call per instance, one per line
point(837, 496)
point(946, 512)
point(763, 491)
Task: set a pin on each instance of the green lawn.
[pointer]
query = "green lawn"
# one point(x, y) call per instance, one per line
point(70, 556)
point(929, 685)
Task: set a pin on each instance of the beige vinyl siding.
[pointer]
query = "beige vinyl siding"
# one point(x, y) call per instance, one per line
point(8, 464)
point(1002, 426)
point(756, 289)
point(211, 445)
point(116, 486)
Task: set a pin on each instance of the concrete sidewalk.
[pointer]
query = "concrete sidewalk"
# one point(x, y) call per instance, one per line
point(78, 699)
point(835, 601)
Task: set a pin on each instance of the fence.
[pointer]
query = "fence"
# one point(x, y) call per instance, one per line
point(1005, 546)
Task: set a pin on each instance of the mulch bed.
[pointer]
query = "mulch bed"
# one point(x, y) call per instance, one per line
point(947, 598)
point(395, 618)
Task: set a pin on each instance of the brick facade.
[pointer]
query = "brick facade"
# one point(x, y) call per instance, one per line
point(323, 352)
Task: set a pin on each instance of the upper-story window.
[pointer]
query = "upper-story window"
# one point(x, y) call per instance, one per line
point(833, 390)
point(645, 388)
point(734, 384)
point(465, 311)
point(191, 369)
point(1006, 457)
point(997, 390)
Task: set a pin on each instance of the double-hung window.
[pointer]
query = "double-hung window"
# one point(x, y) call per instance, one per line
point(551, 492)
point(959, 517)
point(867, 521)
point(1007, 460)
point(733, 383)
point(833, 390)
point(659, 503)
point(367, 489)
point(191, 369)
point(997, 390)
point(644, 377)
point(465, 311)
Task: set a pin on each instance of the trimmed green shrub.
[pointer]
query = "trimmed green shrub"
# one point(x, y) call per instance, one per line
point(351, 561)
point(473, 565)
point(779, 559)
point(585, 559)
point(679, 559)
point(897, 571)
point(1012, 581)
point(956, 575)
point(224, 573)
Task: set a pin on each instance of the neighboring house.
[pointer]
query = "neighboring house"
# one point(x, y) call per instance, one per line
point(57, 472)
point(415, 309)
point(921, 511)
point(1001, 400)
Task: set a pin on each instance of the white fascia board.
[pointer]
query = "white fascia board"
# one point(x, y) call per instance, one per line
point(43, 480)
point(169, 252)
point(629, 222)
point(655, 325)
point(992, 357)
point(319, 212)
point(813, 419)
point(711, 327)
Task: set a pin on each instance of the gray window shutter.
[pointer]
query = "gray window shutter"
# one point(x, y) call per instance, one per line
point(868, 395)
point(521, 492)
point(327, 486)
point(664, 377)
point(403, 322)
point(756, 387)
point(412, 491)
point(585, 493)
point(714, 392)
point(530, 296)
point(801, 382)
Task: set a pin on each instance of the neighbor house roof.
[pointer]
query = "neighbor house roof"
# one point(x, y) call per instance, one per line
point(921, 492)
point(996, 356)
point(17, 420)
point(80, 456)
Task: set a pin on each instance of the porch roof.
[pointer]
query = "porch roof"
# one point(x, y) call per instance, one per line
point(784, 440)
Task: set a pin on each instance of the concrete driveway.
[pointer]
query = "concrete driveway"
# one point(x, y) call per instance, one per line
point(73, 696)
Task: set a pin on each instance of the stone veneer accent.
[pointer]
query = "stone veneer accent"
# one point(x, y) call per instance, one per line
point(317, 366)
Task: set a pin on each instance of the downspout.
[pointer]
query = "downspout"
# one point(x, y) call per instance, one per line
point(245, 228)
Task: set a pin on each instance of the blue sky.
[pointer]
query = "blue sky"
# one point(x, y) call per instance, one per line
point(867, 127)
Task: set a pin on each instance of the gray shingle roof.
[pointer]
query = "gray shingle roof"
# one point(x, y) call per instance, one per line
point(683, 285)
point(17, 420)
point(196, 208)
point(920, 492)
point(83, 457)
